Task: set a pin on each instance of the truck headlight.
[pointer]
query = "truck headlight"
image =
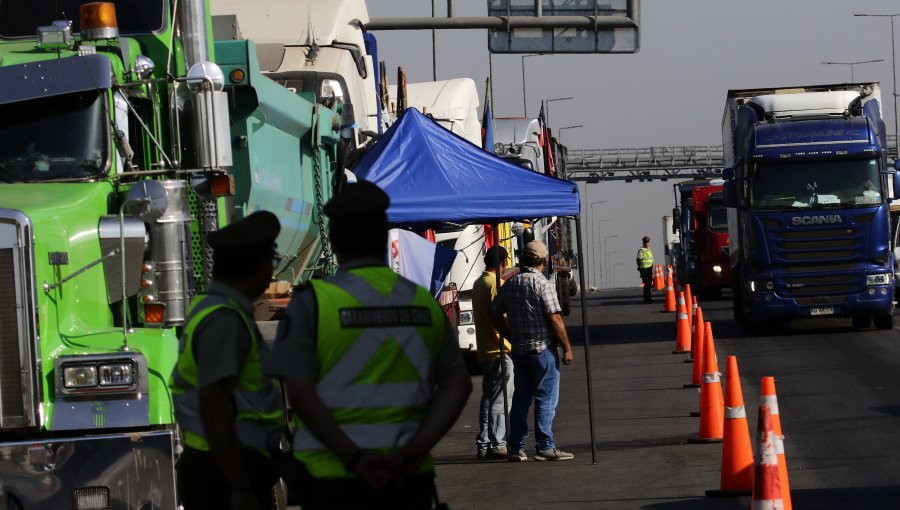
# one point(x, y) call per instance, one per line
point(466, 318)
point(879, 279)
point(717, 269)
point(117, 374)
point(80, 376)
point(761, 285)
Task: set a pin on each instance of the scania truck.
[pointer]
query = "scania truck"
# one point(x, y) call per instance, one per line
point(808, 190)
point(123, 146)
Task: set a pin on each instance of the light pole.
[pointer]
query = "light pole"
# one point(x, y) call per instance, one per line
point(605, 247)
point(851, 64)
point(894, 68)
point(524, 96)
point(560, 130)
point(594, 256)
point(548, 101)
point(592, 234)
point(608, 266)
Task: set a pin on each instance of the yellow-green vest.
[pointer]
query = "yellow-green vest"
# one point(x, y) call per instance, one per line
point(257, 399)
point(377, 338)
point(646, 258)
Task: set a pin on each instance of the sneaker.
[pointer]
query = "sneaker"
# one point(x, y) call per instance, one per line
point(482, 453)
point(517, 457)
point(497, 453)
point(552, 454)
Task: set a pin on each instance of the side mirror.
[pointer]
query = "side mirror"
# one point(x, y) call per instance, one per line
point(896, 176)
point(730, 193)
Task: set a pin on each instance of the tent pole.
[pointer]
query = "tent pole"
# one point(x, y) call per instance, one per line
point(495, 230)
point(587, 341)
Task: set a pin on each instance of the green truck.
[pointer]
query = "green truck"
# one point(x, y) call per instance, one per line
point(126, 136)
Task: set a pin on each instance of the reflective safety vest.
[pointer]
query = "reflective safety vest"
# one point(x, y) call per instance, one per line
point(376, 341)
point(646, 258)
point(257, 399)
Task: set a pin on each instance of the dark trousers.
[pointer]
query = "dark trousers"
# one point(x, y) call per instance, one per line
point(647, 278)
point(201, 484)
point(417, 492)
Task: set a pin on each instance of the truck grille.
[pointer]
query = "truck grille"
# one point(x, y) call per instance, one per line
point(11, 403)
point(19, 373)
point(826, 245)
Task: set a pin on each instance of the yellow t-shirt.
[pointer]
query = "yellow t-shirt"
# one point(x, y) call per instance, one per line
point(484, 290)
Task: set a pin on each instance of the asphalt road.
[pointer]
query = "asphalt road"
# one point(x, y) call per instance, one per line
point(838, 393)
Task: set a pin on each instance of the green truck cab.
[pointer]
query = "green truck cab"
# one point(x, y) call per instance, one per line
point(124, 145)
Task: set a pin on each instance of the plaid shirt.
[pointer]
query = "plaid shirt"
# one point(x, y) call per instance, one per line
point(527, 299)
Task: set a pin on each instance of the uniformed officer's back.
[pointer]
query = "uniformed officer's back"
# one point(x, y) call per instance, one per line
point(369, 346)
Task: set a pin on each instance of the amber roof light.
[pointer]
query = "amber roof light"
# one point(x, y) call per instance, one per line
point(98, 21)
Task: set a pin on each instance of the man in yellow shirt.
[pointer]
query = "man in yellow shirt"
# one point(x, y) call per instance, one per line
point(491, 439)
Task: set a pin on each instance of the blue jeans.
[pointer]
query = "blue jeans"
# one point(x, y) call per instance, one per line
point(492, 419)
point(536, 378)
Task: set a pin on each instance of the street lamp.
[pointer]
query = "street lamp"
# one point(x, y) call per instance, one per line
point(548, 101)
point(605, 246)
point(591, 230)
point(594, 256)
point(560, 130)
point(894, 67)
point(851, 64)
point(524, 96)
point(608, 266)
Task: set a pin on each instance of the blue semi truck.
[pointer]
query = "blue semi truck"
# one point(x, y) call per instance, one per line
point(808, 188)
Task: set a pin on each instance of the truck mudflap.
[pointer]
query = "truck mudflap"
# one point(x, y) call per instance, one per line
point(116, 471)
point(770, 306)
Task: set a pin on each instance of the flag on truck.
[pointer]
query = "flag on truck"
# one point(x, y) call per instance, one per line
point(487, 120)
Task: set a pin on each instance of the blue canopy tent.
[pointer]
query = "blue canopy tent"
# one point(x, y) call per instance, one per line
point(433, 176)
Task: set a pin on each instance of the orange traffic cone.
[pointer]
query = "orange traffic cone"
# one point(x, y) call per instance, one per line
point(670, 295)
point(766, 484)
point(712, 406)
point(697, 358)
point(696, 338)
point(683, 330)
point(770, 399)
point(660, 282)
point(737, 453)
point(689, 299)
point(693, 312)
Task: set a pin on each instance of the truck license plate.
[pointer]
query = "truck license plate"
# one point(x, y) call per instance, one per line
point(824, 310)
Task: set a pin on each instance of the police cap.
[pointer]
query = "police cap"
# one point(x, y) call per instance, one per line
point(646, 239)
point(257, 230)
point(362, 200)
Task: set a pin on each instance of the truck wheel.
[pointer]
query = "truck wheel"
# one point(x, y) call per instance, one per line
point(885, 321)
point(736, 304)
point(861, 321)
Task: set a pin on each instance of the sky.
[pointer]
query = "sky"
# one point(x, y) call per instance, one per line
point(671, 92)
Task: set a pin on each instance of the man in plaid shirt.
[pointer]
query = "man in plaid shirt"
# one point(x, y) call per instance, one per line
point(533, 323)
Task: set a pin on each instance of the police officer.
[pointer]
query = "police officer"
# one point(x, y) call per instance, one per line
point(645, 267)
point(372, 370)
point(229, 413)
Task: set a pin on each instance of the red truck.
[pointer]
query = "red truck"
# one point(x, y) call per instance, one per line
point(704, 238)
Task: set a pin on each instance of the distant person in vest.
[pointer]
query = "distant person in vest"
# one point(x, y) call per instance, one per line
point(230, 414)
point(645, 268)
point(372, 370)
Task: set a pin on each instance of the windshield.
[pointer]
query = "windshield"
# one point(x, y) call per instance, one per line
point(816, 184)
point(718, 217)
point(59, 137)
point(21, 19)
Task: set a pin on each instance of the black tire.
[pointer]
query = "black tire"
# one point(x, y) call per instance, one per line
point(885, 321)
point(861, 321)
point(736, 303)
